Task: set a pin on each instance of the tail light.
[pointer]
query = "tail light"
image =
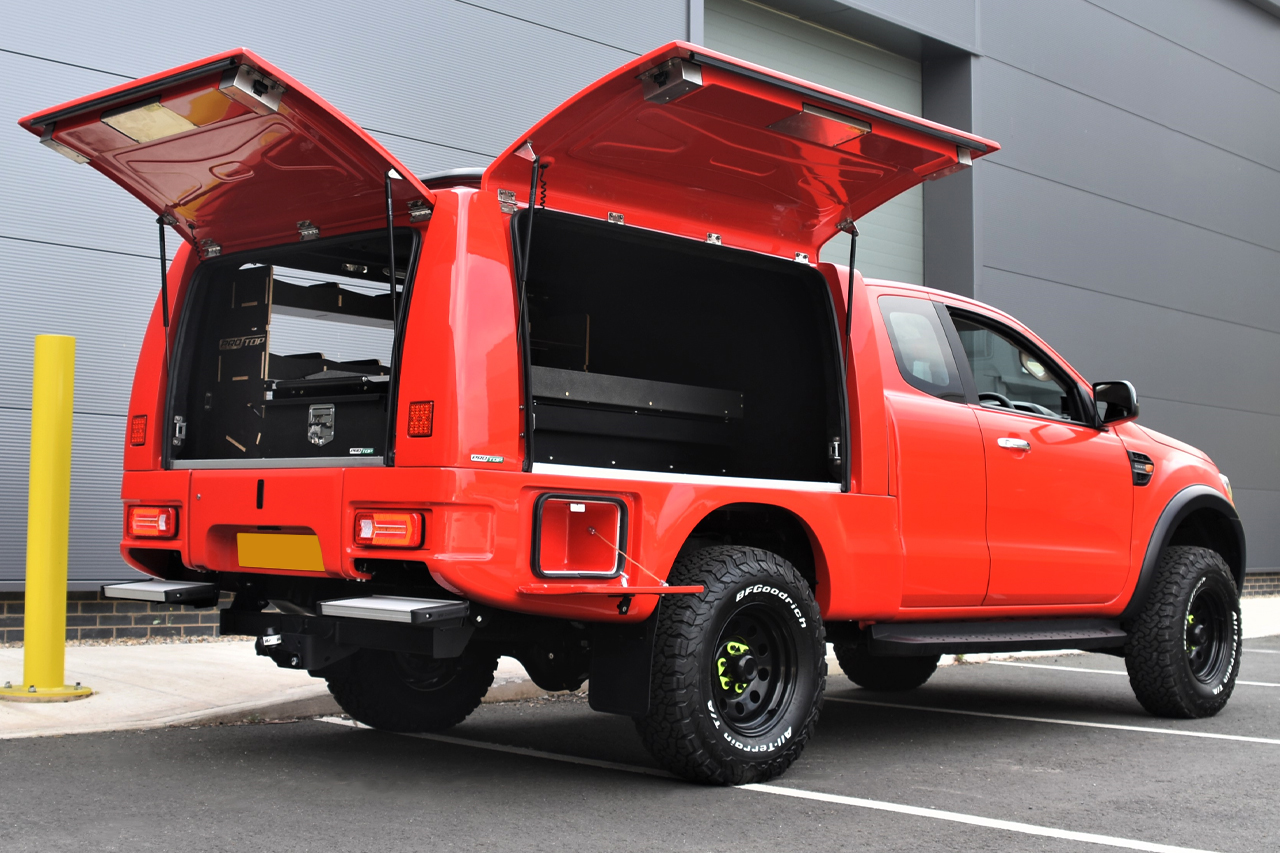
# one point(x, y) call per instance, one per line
point(138, 431)
point(152, 522)
point(389, 529)
point(421, 414)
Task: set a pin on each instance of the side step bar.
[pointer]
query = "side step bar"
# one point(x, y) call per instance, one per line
point(902, 639)
point(395, 608)
point(165, 592)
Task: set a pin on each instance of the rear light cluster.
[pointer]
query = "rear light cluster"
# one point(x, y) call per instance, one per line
point(152, 522)
point(389, 529)
point(138, 431)
point(421, 415)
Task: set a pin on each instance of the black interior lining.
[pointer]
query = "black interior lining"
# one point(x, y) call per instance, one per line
point(633, 308)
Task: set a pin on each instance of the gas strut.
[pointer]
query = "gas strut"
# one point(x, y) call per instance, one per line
point(391, 246)
point(848, 314)
point(522, 309)
point(164, 291)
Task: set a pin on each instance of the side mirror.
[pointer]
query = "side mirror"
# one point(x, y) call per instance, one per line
point(1116, 401)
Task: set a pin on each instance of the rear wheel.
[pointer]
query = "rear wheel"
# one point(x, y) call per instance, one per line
point(738, 671)
point(1183, 652)
point(884, 673)
point(402, 692)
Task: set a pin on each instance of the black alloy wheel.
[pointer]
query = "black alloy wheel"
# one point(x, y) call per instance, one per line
point(1208, 634)
point(753, 671)
point(1183, 650)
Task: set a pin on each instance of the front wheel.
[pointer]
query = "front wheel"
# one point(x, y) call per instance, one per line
point(1183, 652)
point(738, 671)
point(402, 692)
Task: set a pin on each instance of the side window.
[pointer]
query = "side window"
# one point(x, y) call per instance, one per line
point(1009, 375)
point(920, 346)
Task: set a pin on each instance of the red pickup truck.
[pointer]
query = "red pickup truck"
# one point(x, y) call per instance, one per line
point(599, 407)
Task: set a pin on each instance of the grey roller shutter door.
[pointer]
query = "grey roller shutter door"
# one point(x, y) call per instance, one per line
point(892, 241)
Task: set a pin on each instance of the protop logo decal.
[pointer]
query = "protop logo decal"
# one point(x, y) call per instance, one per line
point(242, 342)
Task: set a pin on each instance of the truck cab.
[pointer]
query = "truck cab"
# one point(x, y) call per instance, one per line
point(599, 407)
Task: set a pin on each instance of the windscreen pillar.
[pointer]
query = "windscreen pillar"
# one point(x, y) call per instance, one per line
point(48, 523)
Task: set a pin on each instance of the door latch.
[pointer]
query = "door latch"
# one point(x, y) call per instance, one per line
point(179, 430)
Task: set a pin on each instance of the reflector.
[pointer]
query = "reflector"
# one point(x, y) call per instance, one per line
point(138, 431)
point(421, 415)
point(152, 522)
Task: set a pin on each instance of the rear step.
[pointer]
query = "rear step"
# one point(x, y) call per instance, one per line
point(395, 608)
point(166, 592)
point(953, 638)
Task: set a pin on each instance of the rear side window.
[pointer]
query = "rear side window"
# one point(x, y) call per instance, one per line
point(920, 346)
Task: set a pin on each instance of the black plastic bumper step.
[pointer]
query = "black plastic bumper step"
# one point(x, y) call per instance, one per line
point(165, 592)
point(395, 608)
point(953, 638)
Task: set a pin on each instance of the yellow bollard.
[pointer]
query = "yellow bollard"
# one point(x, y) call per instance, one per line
point(48, 520)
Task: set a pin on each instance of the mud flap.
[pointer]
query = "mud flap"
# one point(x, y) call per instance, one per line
point(621, 663)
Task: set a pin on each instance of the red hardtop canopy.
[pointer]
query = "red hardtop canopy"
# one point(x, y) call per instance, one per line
point(693, 142)
point(234, 152)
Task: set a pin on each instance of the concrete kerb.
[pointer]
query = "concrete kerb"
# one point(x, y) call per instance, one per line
point(188, 684)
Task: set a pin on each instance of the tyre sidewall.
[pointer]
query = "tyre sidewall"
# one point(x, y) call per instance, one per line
point(801, 620)
point(1213, 696)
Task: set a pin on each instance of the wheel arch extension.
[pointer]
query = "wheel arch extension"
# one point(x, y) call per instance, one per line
point(1197, 515)
point(766, 526)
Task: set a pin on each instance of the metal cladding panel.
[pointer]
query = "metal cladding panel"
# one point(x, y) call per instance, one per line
point(1080, 141)
point(891, 244)
point(93, 550)
point(1037, 227)
point(1138, 71)
point(1242, 36)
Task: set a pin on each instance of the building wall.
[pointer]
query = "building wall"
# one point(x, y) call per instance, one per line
point(1131, 216)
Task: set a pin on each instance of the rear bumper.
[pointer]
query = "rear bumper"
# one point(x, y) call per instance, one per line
point(476, 542)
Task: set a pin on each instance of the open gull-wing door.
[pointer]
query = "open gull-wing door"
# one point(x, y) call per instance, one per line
point(235, 154)
point(689, 141)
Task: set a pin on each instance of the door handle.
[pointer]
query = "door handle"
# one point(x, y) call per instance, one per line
point(1014, 443)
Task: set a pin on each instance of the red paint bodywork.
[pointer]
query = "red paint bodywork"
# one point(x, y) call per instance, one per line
point(938, 524)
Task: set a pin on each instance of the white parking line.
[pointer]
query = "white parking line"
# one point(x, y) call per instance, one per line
point(1265, 651)
point(1103, 671)
point(800, 793)
point(1118, 727)
point(972, 820)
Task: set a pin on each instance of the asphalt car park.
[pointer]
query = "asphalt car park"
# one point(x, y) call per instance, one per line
point(1046, 753)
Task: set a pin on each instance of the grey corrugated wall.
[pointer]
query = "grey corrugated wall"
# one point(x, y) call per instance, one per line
point(442, 83)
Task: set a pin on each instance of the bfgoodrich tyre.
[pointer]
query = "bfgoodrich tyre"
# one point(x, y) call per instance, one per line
point(400, 692)
point(738, 670)
point(1183, 652)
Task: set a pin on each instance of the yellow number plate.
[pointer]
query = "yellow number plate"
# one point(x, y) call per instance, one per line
point(287, 551)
